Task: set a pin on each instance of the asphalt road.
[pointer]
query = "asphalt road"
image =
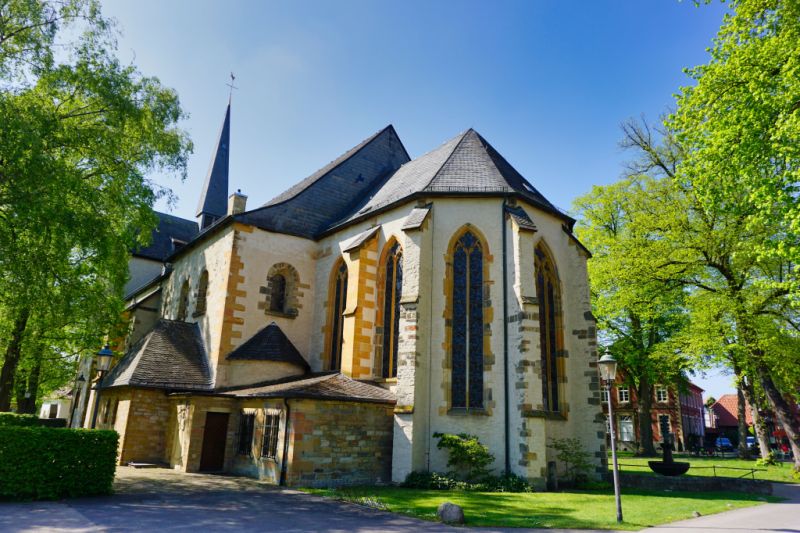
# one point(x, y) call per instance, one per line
point(163, 500)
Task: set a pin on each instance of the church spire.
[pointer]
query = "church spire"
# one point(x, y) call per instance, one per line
point(213, 202)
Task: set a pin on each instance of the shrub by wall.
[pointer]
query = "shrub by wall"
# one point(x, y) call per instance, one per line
point(13, 419)
point(49, 463)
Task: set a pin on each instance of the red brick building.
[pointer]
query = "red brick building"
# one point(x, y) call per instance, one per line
point(683, 411)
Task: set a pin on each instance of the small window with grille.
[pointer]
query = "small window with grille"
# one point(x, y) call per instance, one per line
point(269, 443)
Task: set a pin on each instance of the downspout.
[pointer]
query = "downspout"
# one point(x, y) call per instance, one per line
point(505, 338)
point(285, 458)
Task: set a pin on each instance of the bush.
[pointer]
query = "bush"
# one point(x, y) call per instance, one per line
point(17, 420)
point(467, 455)
point(505, 483)
point(48, 463)
point(571, 452)
point(769, 460)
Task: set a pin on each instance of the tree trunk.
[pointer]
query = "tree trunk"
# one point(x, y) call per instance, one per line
point(28, 405)
point(758, 423)
point(643, 404)
point(741, 423)
point(11, 360)
point(783, 411)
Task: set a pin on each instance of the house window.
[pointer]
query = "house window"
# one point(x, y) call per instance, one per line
point(269, 443)
point(53, 410)
point(339, 303)
point(246, 425)
point(623, 395)
point(183, 302)
point(467, 323)
point(661, 394)
point(550, 336)
point(626, 429)
point(202, 291)
point(604, 395)
point(277, 297)
point(392, 289)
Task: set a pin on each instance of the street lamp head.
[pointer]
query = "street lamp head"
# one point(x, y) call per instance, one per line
point(104, 357)
point(608, 367)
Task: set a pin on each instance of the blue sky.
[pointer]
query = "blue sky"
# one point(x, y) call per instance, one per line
point(547, 83)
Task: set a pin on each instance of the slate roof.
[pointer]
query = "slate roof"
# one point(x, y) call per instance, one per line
point(521, 218)
point(323, 386)
point(416, 217)
point(169, 227)
point(726, 409)
point(331, 193)
point(171, 356)
point(356, 242)
point(214, 199)
point(467, 163)
point(269, 344)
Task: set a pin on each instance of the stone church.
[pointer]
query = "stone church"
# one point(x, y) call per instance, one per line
point(323, 337)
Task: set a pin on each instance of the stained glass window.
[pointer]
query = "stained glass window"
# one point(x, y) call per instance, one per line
point(339, 301)
point(547, 290)
point(393, 286)
point(467, 323)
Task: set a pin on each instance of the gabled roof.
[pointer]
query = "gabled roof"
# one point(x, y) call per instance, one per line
point(269, 344)
point(323, 386)
point(466, 164)
point(214, 199)
point(171, 356)
point(726, 409)
point(332, 192)
point(168, 236)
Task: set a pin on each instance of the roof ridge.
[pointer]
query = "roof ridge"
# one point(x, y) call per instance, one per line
point(334, 164)
point(448, 158)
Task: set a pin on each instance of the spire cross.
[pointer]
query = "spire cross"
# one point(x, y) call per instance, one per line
point(231, 85)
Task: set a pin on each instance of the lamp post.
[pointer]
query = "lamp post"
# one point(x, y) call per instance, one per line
point(104, 357)
point(608, 371)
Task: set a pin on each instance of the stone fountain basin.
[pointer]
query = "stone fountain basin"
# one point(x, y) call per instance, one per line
point(668, 469)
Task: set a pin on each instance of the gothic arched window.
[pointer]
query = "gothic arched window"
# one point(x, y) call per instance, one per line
point(202, 292)
point(392, 289)
point(467, 323)
point(183, 302)
point(550, 335)
point(277, 296)
point(338, 304)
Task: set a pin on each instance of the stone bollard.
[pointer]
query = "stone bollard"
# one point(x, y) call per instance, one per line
point(450, 513)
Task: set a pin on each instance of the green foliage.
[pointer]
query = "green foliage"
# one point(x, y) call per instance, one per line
point(17, 420)
point(576, 459)
point(467, 455)
point(80, 134)
point(438, 481)
point(769, 460)
point(45, 463)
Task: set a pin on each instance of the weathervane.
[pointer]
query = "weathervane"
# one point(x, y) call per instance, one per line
point(232, 86)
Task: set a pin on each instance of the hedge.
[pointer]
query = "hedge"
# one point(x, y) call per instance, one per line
point(17, 420)
point(48, 463)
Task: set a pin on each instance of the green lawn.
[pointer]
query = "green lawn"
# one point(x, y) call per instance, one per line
point(571, 509)
point(701, 466)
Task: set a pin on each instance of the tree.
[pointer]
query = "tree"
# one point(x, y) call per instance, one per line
point(77, 140)
point(637, 315)
point(738, 127)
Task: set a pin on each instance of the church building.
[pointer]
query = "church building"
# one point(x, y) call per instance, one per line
point(323, 337)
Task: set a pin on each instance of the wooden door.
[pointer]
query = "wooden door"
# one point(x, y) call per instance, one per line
point(212, 457)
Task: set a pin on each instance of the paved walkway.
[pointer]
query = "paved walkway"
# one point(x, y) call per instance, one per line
point(163, 500)
point(781, 517)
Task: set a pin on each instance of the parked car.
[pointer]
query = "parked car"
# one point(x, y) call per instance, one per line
point(751, 442)
point(723, 444)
